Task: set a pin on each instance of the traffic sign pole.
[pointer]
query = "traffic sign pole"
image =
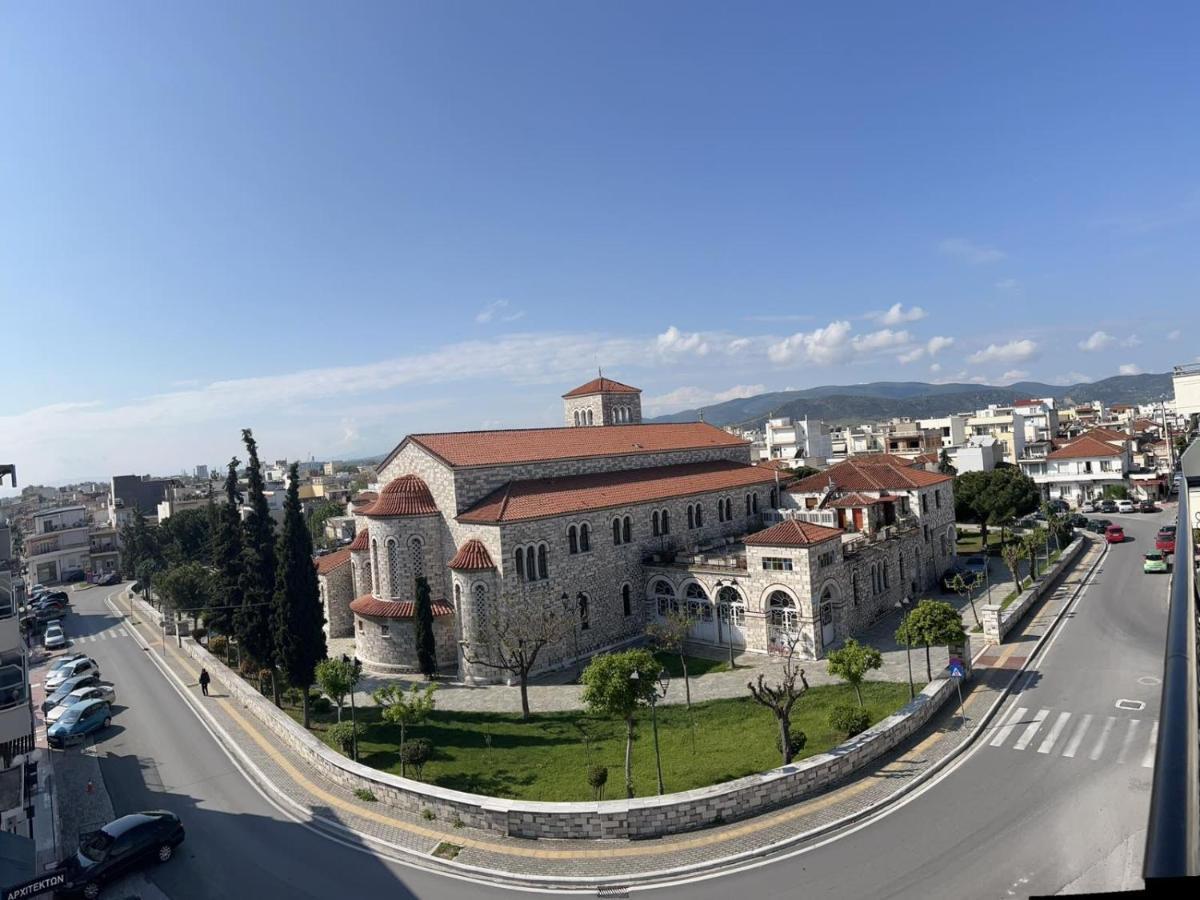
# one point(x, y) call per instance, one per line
point(957, 672)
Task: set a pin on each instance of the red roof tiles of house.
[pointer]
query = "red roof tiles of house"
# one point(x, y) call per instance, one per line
point(331, 561)
point(461, 449)
point(472, 557)
point(1108, 434)
point(1146, 425)
point(365, 497)
point(544, 497)
point(853, 475)
point(848, 501)
point(1085, 447)
point(361, 541)
point(407, 495)
point(793, 533)
point(601, 385)
point(367, 605)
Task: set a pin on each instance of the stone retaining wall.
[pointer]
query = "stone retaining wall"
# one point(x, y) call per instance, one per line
point(642, 817)
point(999, 622)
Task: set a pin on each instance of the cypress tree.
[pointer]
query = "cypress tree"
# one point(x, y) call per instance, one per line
point(227, 557)
point(253, 619)
point(423, 623)
point(299, 636)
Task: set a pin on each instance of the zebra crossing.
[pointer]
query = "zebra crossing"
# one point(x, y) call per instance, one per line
point(1066, 734)
point(98, 636)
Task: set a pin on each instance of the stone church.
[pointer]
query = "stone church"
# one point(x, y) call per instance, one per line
point(617, 523)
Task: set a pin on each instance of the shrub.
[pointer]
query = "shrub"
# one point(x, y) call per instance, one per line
point(364, 794)
point(342, 734)
point(457, 822)
point(218, 644)
point(248, 667)
point(597, 777)
point(198, 634)
point(849, 719)
point(291, 695)
point(416, 752)
point(797, 739)
point(319, 703)
point(427, 814)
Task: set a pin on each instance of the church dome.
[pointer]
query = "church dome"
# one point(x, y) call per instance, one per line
point(407, 495)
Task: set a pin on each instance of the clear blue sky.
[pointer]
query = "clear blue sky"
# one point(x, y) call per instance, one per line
point(339, 223)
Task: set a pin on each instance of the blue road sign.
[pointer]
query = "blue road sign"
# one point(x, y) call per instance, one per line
point(957, 670)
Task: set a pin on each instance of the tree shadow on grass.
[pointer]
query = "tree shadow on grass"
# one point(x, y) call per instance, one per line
point(500, 783)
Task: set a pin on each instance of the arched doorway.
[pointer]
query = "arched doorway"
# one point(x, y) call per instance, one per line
point(828, 629)
point(783, 623)
point(731, 615)
point(664, 599)
point(700, 614)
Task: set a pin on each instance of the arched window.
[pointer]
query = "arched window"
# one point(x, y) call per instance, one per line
point(576, 417)
point(782, 621)
point(458, 599)
point(416, 550)
point(666, 522)
point(543, 569)
point(393, 563)
point(585, 541)
point(728, 510)
point(572, 540)
point(691, 514)
point(720, 510)
point(521, 563)
point(747, 506)
point(665, 595)
point(754, 503)
point(626, 600)
point(584, 612)
point(654, 523)
point(698, 607)
point(731, 607)
point(699, 516)
point(375, 559)
point(627, 529)
point(480, 606)
point(367, 577)
point(854, 587)
point(885, 575)
point(589, 417)
point(616, 532)
point(774, 498)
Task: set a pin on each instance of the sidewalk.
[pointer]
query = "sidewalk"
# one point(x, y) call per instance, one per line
point(327, 805)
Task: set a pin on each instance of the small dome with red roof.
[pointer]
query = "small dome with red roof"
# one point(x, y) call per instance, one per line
point(407, 495)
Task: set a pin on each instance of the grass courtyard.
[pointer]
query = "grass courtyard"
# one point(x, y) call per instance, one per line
point(547, 757)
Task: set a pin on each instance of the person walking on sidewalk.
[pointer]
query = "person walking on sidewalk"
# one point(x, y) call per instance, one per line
point(204, 680)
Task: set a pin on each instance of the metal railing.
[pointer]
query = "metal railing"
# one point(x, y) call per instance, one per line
point(1173, 832)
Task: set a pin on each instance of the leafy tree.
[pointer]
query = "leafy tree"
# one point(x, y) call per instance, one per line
point(423, 625)
point(147, 572)
point(597, 777)
point(1116, 492)
point(781, 697)
point(227, 557)
point(186, 588)
point(1012, 553)
point(964, 586)
point(802, 471)
point(848, 720)
point(416, 753)
point(610, 690)
point(1056, 523)
point(299, 616)
point(992, 498)
point(140, 544)
point(18, 540)
point(320, 514)
point(337, 678)
point(670, 636)
point(1033, 541)
point(852, 661)
point(931, 622)
point(944, 464)
point(186, 536)
point(405, 710)
point(343, 734)
point(253, 619)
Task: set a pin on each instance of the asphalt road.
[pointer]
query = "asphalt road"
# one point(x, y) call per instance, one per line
point(1038, 812)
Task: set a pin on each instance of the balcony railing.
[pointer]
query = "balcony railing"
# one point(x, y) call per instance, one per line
point(14, 685)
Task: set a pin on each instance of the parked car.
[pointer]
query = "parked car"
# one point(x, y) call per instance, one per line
point(105, 692)
point(1126, 506)
point(78, 722)
point(54, 638)
point(49, 612)
point(1165, 542)
point(43, 595)
point(109, 579)
point(1114, 534)
point(975, 564)
point(71, 575)
point(1088, 506)
point(1155, 562)
point(1075, 520)
point(64, 690)
point(1147, 506)
point(85, 666)
point(118, 848)
point(1058, 505)
point(1097, 526)
point(1108, 506)
point(957, 568)
point(1167, 529)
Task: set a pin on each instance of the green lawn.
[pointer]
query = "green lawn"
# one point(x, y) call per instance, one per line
point(546, 758)
point(696, 665)
point(970, 542)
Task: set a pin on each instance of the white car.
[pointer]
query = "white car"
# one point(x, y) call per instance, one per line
point(95, 692)
point(1087, 506)
point(1125, 506)
point(54, 639)
point(85, 666)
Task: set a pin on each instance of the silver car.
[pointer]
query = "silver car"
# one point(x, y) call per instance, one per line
point(104, 692)
point(85, 666)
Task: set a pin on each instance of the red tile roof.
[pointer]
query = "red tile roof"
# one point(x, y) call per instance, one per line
point(853, 475)
point(407, 495)
point(601, 385)
point(543, 497)
point(364, 497)
point(472, 557)
point(1146, 424)
point(883, 459)
point(1085, 447)
point(367, 605)
point(331, 561)
point(361, 541)
point(1109, 434)
point(855, 499)
point(780, 465)
point(793, 533)
point(497, 448)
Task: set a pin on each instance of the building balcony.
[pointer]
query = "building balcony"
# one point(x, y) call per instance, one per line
point(55, 527)
point(1056, 477)
point(16, 714)
point(35, 547)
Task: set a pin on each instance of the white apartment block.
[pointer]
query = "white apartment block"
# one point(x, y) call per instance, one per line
point(1080, 470)
point(788, 438)
point(1003, 423)
point(1187, 389)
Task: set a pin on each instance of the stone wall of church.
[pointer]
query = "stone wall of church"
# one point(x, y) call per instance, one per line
point(337, 590)
point(417, 542)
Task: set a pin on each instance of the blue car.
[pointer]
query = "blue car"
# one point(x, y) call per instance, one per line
point(79, 721)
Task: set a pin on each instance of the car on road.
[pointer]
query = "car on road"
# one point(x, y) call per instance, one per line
point(54, 638)
point(1114, 534)
point(956, 568)
point(48, 612)
point(1088, 506)
point(1155, 562)
point(1097, 526)
point(1126, 506)
point(1164, 541)
point(105, 692)
point(46, 594)
point(78, 722)
point(85, 666)
point(1059, 506)
point(975, 564)
point(64, 690)
point(1147, 506)
point(71, 575)
point(1075, 520)
point(1108, 506)
point(121, 846)
point(109, 579)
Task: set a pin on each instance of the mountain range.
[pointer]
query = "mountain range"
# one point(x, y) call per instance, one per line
point(882, 400)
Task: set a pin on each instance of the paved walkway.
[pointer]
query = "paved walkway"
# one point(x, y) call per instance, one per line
point(330, 806)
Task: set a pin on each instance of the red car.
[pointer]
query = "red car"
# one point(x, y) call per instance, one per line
point(1114, 534)
point(1165, 543)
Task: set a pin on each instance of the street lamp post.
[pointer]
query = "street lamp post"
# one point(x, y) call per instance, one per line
point(353, 716)
point(728, 616)
point(904, 605)
point(566, 605)
point(660, 690)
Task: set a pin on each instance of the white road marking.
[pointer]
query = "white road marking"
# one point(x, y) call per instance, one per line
point(1055, 731)
point(1077, 737)
point(1099, 748)
point(1128, 742)
point(1031, 729)
point(1005, 730)
point(1148, 759)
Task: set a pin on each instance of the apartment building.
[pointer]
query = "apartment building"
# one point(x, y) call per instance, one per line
point(58, 542)
point(1079, 470)
point(1186, 380)
point(1003, 423)
point(788, 438)
point(953, 429)
point(1041, 418)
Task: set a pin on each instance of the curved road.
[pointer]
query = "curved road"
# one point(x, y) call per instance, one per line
point(1056, 802)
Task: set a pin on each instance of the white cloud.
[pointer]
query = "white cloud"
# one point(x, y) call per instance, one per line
point(497, 311)
point(1132, 341)
point(674, 342)
point(1013, 351)
point(693, 397)
point(821, 346)
point(936, 367)
point(1097, 341)
point(937, 344)
point(963, 249)
point(737, 345)
point(897, 315)
point(1130, 369)
point(1014, 375)
point(912, 355)
point(884, 339)
point(1174, 335)
point(1072, 378)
